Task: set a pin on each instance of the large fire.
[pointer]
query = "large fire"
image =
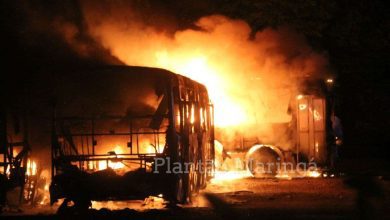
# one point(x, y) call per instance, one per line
point(198, 67)
point(250, 77)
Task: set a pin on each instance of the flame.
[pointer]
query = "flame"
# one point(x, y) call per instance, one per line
point(31, 168)
point(199, 68)
point(284, 176)
point(8, 171)
point(313, 173)
point(104, 164)
point(45, 200)
point(250, 78)
point(222, 176)
point(42, 194)
point(16, 151)
point(117, 165)
point(151, 202)
point(115, 159)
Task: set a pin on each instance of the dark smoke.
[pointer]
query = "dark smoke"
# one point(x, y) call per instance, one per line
point(45, 37)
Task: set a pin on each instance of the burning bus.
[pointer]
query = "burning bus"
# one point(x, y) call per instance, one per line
point(123, 132)
point(18, 171)
point(305, 142)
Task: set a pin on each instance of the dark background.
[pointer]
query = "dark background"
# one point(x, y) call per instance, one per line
point(354, 34)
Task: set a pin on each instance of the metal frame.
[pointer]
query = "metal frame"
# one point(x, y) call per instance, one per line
point(177, 146)
point(14, 167)
point(59, 152)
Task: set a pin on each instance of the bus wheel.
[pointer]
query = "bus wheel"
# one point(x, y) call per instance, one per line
point(263, 161)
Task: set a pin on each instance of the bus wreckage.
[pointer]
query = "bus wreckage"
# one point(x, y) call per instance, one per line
point(123, 133)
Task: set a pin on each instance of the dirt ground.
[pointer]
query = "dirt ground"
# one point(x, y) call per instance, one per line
point(250, 198)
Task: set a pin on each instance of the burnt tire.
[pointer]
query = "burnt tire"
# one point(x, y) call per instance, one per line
point(263, 163)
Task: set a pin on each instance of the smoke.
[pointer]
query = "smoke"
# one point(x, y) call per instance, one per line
point(47, 34)
point(251, 78)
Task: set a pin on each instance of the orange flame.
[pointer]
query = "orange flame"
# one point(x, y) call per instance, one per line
point(249, 80)
point(221, 176)
point(31, 168)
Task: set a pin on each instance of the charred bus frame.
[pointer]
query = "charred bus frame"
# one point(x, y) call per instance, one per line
point(188, 134)
point(14, 153)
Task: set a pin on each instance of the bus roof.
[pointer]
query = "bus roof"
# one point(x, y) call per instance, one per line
point(141, 71)
point(115, 89)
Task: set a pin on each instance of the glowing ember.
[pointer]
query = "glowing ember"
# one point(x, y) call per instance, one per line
point(151, 202)
point(313, 173)
point(284, 176)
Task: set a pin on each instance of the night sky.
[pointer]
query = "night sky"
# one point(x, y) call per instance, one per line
point(354, 35)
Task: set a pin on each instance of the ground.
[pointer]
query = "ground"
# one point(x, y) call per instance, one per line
point(305, 198)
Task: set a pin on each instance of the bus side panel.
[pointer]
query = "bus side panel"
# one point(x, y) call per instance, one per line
point(311, 129)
